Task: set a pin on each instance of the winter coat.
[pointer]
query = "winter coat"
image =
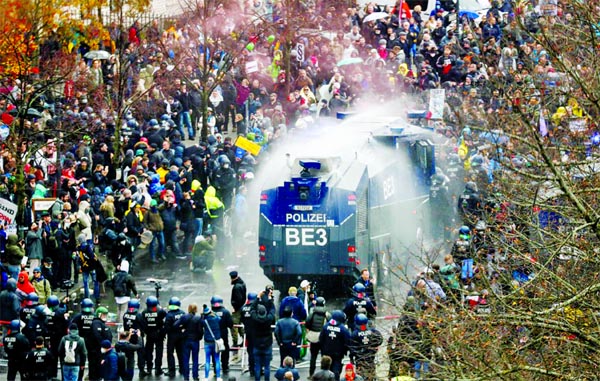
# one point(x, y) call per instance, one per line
point(214, 333)
point(153, 220)
point(9, 302)
point(80, 349)
point(84, 220)
point(110, 367)
point(288, 331)
point(33, 243)
point(297, 306)
point(262, 319)
point(238, 294)
point(14, 251)
point(42, 288)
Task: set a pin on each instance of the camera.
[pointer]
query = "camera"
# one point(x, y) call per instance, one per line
point(67, 284)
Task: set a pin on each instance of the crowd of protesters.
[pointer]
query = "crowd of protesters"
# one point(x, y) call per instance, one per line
point(165, 192)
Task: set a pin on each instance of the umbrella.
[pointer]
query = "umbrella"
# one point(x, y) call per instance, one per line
point(350, 61)
point(470, 15)
point(494, 137)
point(97, 55)
point(375, 16)
point(31, 112)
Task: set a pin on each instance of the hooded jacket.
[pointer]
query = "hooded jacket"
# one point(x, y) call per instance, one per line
point(9, 302)
point(14, 252)
point(213, 203)
point(80, 349)
point(42, 288)
point(84, 220)
point(24, 284)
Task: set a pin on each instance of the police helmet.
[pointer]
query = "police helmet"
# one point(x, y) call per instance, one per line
point(133, 305)
point(15, 325)
point(216, 301)
point(471, 186)
point(338, 316)
point(252, 296)
point(174, 301)
point(52, 301)
point(32, 298)
point(83, 115)
point(476, 161)
point(438, 179)
point(101, 311)
point(223, 159)
point(464, 230)
point(131, 123)
point(151, 302)
point(453, 159)
point(165, 117)
point(40, 311)
point(87, 305)
point(153, 122)
point(321, 301)
point(358, 288)
point(361, 319)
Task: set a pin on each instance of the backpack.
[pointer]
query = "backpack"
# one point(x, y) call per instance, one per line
point(122, 366)
point(119, 284)
point(70, 356)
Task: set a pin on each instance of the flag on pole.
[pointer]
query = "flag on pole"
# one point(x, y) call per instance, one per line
point(543, 126)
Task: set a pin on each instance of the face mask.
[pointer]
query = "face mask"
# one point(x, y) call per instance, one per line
point(225, 166)
point(104, 350)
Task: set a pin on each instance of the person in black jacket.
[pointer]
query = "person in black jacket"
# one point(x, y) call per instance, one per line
point(238, 299)
point(262, 319)
point(315, 322)
point(226, 323)
point(38, 361)
point(128, 344)
point(193, 332)
point(335, 339)
point(175, 335)
point(16, 346)
point(289, 336)
point(57, 328)
point(153, 318)
point(100, 333)
point(246, 312)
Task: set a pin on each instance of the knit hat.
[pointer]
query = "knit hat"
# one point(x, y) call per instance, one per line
point(106, 344)
point(233, 274)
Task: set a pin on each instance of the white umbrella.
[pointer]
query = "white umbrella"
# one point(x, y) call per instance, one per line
point(375, 16)
point(97, 55)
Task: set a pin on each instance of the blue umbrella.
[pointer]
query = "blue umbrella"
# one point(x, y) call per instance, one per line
point(469, 14)
point(494, 137)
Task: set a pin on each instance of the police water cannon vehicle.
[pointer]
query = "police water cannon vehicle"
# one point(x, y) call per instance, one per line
point(336, 215)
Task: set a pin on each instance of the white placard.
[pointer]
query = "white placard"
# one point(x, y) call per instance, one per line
point(437, 98)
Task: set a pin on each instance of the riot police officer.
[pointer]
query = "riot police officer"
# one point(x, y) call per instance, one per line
point(39, 361)
point(37, 324)
point(470, 205)
point(84, 320)
point(335, 339)
point(153, 319)
point(440, 207)
point(225, 324)
point(132, 321)
point(358, 303)
point(57, 328)
point(100, 332)
point(175, 338)
point(16, 346)
point(364, 342)
point(31, 302)
point(455, 171)
point(246, 320)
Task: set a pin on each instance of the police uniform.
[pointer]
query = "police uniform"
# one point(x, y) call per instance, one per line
point(335, 339)
point(100, 332)
point(36, 326)
point(38, 363)
point(363, 348)
point(153, 328)
point(26, 313)
point(246, 320)
point(57, 328)
point(225, 324)
point(356, 305)
point(175, 340)
point(16, 347)
point(133, 321)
